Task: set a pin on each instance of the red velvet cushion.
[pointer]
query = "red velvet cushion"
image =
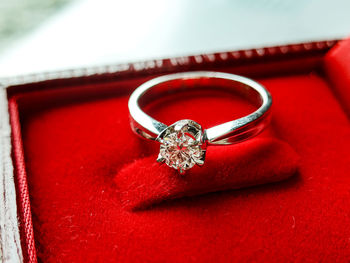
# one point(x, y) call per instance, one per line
point(74, 150)
point(258, 161)
point(251, 163)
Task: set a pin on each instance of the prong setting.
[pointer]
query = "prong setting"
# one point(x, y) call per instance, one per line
point(182, 146)
point(160, 159)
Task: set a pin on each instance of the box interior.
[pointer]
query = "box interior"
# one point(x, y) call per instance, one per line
point(79, 152)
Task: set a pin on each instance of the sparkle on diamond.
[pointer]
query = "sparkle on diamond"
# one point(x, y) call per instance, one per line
point(181, 146)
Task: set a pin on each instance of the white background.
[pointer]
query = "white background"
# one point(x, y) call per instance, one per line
point(98, 32)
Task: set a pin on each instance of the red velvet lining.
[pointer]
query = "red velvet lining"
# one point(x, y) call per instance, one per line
point(338, 69)
point(74, 149)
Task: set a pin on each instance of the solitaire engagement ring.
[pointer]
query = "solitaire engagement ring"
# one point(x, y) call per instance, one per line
point(184, 143)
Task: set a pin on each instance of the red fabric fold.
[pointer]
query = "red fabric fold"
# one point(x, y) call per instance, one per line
point(336, 64)
point(261, 160)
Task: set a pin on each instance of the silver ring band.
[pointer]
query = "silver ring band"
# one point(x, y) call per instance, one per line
point(230, 132)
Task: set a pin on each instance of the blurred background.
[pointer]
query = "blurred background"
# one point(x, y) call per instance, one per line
point(48, 35)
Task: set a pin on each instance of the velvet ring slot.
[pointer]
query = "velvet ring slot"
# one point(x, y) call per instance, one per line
point(254, 162)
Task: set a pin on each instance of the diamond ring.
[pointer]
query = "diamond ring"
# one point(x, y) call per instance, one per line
point(184, 143)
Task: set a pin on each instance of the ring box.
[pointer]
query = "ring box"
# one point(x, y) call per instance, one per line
point(55, 167)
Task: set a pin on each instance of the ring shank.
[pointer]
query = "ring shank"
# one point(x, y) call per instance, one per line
point(230, 132)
